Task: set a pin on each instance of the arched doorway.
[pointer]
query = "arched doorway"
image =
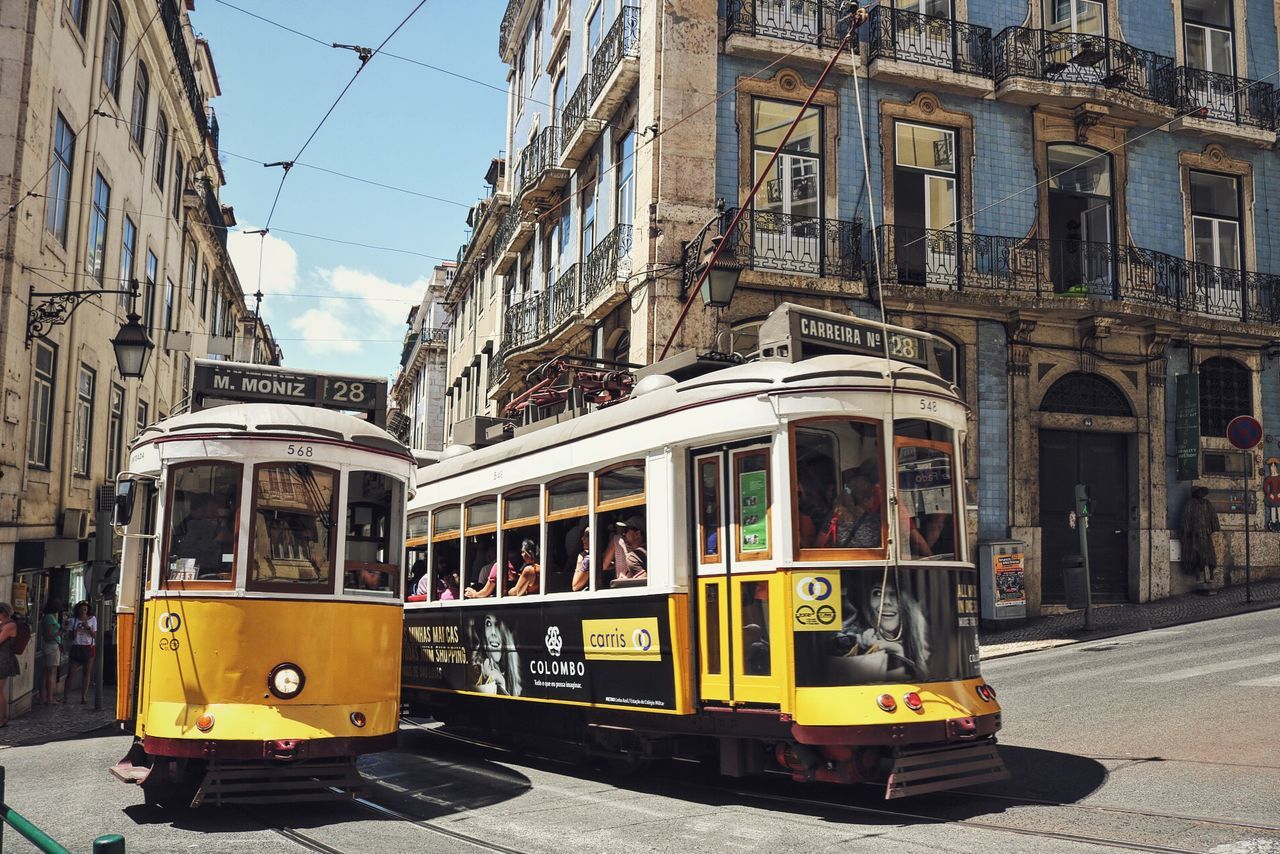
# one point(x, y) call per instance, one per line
point(1100, 460)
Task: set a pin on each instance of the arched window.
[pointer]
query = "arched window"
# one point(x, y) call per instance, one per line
point(141, 91)
point(162, 149)
point(112, 43)
point(1085, 394)
point(1226, 390)
point(622, 348)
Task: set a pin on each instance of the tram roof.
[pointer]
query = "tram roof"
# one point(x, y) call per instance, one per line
point(265, 419)
point(760, 377)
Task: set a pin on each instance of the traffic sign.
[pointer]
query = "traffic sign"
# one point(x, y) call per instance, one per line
point(1244, 432)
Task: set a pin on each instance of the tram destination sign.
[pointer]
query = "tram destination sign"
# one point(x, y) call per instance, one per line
point(799, 333)
point(242, 383)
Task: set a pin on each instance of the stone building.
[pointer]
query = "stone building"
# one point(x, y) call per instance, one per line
point(1074, 192)
point(109, 173)
point(418, 391)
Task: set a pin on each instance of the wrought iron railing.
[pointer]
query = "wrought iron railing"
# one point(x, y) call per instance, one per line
point(575, 110)
point(541, 154)
point(435, 335)
point(506, 229)
point(901, 34)
point(600, 269)
point(1226, 98)
point(818, 22)
point(213, 211)
point(212, 129)
point(622, 40)
point(1094, 60)
point(1073, 268)
point(171, 18)
point(525, 322)
point(788, 243)
point(508, 24)
point(565, 298)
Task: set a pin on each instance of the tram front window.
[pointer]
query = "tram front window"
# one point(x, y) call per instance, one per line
point(926, 499)
point(373, 501)
point(293, 526)
point(838, 502)
point(204, 505)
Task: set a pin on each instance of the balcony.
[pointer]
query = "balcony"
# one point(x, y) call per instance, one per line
point(615, 67)
point(511, 235)
point(810, 248)
point(171, 18)
point(1223, 104)
point(757, 29)
point(538, 175)
point(605, 269)
point(578, 131)
point(213, 211)
point(905, 46)
point(1072, 270)
point(211, 129)
point(1056, 67)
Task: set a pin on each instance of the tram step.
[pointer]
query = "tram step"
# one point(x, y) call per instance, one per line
point(226, 784)
point(916, 772)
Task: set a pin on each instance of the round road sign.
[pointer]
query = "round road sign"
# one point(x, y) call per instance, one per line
point(1244, 432)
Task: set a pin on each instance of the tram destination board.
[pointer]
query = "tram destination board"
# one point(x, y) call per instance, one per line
point(810, 332)
point(222, 382)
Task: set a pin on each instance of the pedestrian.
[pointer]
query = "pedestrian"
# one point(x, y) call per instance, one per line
point(83, 629)
point(1199, 524)
point(8, 658)
point(50, 651)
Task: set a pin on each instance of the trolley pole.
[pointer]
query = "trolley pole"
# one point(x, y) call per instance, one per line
point(1082, 526)
point(1246, 496)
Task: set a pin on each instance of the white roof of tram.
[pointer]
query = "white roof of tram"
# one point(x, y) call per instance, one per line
point(283, 419)
point(761, 377)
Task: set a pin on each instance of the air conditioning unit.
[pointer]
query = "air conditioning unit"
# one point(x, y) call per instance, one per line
point(75, 525)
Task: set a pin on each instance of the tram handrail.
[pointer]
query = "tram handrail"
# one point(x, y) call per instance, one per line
point(110, 843)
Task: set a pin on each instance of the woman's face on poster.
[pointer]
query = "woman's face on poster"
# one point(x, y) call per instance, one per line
point(492, 638)
point(884, 601)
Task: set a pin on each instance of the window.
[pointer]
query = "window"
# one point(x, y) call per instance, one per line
point(82, 444)
point(1080, 219)
point(1087, 17)
point(112, 43)
point(192, 263)
point(710, 515)
point(149, 290)
point(786, 222)
point(1208, 29)
point(204, 291)
point(838, 502)
point(624, 168)
point(559, 95)
point(1226, 390)
point(520, 80)
point(621, 524)
point(756, 655)
point(372, 561)
point(480, 542)
point(162, 150)
point(60, 171)
point(168, 304)
point(141, 91)
point(417, 538)
point(293, 527)
point(446, 553)
point(926, 498)
point(522, 540)
point(1215, 219)
point(143, 417)
point(217, 311)
point(79, 11)
point(128, 252)
point(115, 432)
point(924, 204)
point(595, 30)
point(40, 427)
point(203, 530)
point(98, 227)
point(568, 547)
point(535, 48)
point(587, 201)
point(177, 185)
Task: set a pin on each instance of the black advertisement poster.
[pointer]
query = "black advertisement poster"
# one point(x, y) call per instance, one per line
point(1186, 428)
point(614, 652)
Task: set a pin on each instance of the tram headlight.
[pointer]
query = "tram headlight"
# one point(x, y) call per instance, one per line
point(357, 719)
point(286, 680)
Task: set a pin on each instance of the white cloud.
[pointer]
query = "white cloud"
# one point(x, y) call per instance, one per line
point(388, 301)
point(279, 261)
point(325, 333)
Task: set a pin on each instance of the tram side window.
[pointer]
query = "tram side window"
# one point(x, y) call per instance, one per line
point(204, 507)
point(522, 540)
point(480, 539)
point(709, 510)
point(417, 536)
point(567, 557)
point(926, 498)
point(293, 532)
point(755, 628)
point(839, 499)
point(622, 526)
point(373, 505)
point(446, 553)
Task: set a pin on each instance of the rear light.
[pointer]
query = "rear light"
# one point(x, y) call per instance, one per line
point(991, 691)
point(204, 723)
point(913, 701)
point(886, 702)
point(986, 692)
point(357, 718)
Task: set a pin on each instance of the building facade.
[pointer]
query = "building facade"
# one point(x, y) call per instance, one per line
point(418, 391)
point(109, 174)
point(1073, 192)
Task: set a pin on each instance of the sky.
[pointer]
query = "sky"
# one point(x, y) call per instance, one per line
point(333, 306)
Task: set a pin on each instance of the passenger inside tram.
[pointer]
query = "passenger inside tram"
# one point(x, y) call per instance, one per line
point(582, 563)
point(631, 557)
point(839, 502)
point(485, 570)
point(529, 572)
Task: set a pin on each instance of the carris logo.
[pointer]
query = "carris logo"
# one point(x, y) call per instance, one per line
point(642, 640)
point(554, 641)
point(813, 588)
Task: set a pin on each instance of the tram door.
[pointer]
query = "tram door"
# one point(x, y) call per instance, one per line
point(742, 645)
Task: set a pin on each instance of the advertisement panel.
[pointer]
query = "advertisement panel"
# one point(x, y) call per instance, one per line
point(614, 652)
point(1009, 579)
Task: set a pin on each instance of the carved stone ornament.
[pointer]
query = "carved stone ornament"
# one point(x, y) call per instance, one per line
point(1019, 330)
point(788, 80)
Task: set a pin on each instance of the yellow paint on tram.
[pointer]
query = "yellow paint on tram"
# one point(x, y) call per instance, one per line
point(854, 705)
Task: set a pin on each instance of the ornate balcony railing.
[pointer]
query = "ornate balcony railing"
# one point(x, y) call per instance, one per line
point(622, 40)
point(575, 110)
point(172, 21)
point(564, 298)
point(508, 24)
point(1063, 57)
point(435, 335)
point(787, 243)
point(213, 211)
point(212, 130)
point(502, 234)
point(600, 269)
point(901, 34)
point(541, 154)
point(815, 22)
point(1226, 98)
point(525, 322)
point(1073, 268)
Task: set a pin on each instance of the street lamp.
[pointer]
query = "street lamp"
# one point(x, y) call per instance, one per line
point(718, 280)
point(132, 345)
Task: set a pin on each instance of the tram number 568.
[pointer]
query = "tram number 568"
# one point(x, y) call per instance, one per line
point(299, 450)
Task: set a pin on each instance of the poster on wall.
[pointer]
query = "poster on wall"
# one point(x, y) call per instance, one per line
point(1271, 493)
point(753, 491)
point(1010, 579)
point(1186, 429)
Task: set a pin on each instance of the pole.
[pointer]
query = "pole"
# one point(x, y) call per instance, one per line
point(1083, 511)
point(1248, 557)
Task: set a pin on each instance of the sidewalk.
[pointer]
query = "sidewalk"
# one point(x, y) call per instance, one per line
point(61, 720)
point(1059, 629)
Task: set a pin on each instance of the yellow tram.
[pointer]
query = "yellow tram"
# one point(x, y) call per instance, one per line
point(261, 570)
point(766, 563)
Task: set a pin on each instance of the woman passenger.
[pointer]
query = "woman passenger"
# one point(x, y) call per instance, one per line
point(530, 570)
point(582, 564)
